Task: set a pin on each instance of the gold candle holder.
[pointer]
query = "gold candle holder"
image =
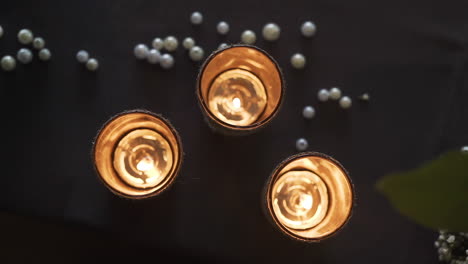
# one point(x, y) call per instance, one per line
point(137, 154)
point(240, 89)
point(309, 197)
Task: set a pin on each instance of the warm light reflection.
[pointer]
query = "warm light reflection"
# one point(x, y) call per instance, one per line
point(237, 97)
point(143, 158)
point(300, 199)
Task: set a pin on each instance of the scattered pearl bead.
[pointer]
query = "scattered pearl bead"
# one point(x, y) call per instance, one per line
point(451, 239)
point(271, 32)
point(464, 150)
point(141, 51)
point(24, 56)
point(8, 63)
point(248, 37)
point(365, 97)
point(188, 43)
point(167, 61)
point(223, 46)
point(196, 53)
point(335, 93)
point(171, 43)
point(345, 102)
point(222, 28)
point(157, 43)
point(308, 29)
point(92, 64)
point(301, 144)
point(298, 61)
point(196, 18)
point(38, 43)
point(44, 54)
point(308, 112)
point(1, 31)
point(25, 36)
point(323, 95)
point(82, 56)
point(154, 56)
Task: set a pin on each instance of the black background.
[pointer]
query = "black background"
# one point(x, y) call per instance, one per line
point(410, 55)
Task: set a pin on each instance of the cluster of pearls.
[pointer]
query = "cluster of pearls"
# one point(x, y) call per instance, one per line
point(154, 56)
point(452, 247)
point(92, 64)
point(335, 94)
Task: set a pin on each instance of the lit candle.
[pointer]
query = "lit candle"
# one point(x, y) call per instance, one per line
point(240, 88)
point(309, 196)
point(137, 154)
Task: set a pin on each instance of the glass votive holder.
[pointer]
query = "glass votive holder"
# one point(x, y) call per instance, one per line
point(240, 89)
point(137, 154)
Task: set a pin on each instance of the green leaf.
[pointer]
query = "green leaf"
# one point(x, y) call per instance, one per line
point(434, 195)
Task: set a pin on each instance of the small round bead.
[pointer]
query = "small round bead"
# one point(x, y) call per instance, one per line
point(365, 97)
point(188, 43)
point(451, 239)
point(82, 56)
point(196, 18)
point(464, 150)
point(44, 54)
point(171, 43)
point(222, 28)
point(157, 43)
point(25, 36)
point(141, 51)
point(308, 112)
point(301, 144)
point(8, 63)
point(154, 56)
point(308, 29)
point(196, 53)
point(466, 252)
point(271, 32)
point(335, 93)
point(1, 31)
point(38, 43)
point(323, 95)
point(298, 61)
point(437, 244)
point(167, 61)
point(24, 56)
point(92, 64)
point(223, 46)
point(345, 102)
point(248, 37)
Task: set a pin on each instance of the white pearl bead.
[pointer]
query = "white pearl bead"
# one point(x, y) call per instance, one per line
point(157, 43)
point(302, 144)
point(222, 28)
point(308, 112)
point(345, 102)
point(223, 46)
point(82, 56)
point(171, 43)
point(25, 36)
point(44, 54)
point(188, 43)
point(271, 32)
point(196, 18)
point(335, 93)
point(24, 56)
point(365, 97)
point(308, 29)
point(92, 64)
point(298, 61)
point(38, 43)
point(167, 61)
point(323, 95)
point(196, 53)
point(1, 31)
point(248, 37)
point(8, 63)
point(141, 51)
point(154, 56)
point(464, 150)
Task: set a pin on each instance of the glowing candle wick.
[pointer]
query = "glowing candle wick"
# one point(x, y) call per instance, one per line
point(145, 164)
point(236, 102)
point(306, 201)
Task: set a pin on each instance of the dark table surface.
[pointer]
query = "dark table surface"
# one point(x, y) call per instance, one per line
point(410, 55)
